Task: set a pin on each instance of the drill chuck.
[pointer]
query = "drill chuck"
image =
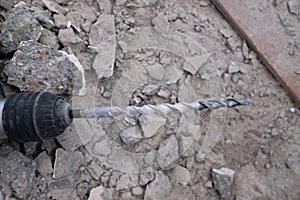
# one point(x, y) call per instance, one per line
point(31, 117)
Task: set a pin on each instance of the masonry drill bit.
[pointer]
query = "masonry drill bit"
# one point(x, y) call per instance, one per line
point(162, 109)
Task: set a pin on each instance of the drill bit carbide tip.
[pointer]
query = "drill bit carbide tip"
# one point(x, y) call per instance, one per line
point(161, 109)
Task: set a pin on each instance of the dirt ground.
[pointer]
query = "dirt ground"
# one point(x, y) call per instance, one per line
point(152, 45)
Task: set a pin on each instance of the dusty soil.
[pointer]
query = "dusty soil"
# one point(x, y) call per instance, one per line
point(260, 143)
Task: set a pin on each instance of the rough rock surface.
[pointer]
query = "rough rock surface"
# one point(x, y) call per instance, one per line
point(18, 171)
point(102, 38)
point(66, 163)
point(20, 25)
point(36, 67)
point(168, 152)
point(222, 180)
point(131, 135)
point(159, 188)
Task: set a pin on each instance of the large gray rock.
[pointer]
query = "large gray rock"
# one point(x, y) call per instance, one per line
point(102, 38)
point(20, 25)
point(36, 67)
point(18, 171)
point(159, 188)
point(222, 180)
point(66, 163)
point(168, 152)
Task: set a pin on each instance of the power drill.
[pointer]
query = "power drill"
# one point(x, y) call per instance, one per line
point(31, 117)
point(37, 116)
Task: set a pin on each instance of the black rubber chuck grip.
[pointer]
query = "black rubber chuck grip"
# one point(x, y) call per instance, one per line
point(31, 117)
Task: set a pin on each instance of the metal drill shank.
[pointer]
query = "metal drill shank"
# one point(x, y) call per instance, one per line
point(162, 109)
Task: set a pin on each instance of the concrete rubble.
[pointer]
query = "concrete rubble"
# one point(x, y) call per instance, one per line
point(49, 39)
point(168, 152)
point(18, 171)
point(182, 175)
point(131, 135)
point(150, 89)
point(102, 38)
point(159, 188)
point(66, 163)
point(36, 67)
point(26, 28)
point(54, 7)
point(146, 175)
point(69, 39)
point(151, 124)
point(222, 181)
point(85, 48)
point(45, 21)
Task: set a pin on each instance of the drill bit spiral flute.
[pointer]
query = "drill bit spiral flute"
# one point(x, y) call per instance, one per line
point(30, 117)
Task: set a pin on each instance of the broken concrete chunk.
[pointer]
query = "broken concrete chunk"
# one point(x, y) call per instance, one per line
point(184, 144)
point(105, 6)
point(18, 171)
point(199, 157)
point(159, 188)
point(290, 161)
point(69, 39)
point(157, 71)
point(96, 193)
point(131, 135)
point(45, 21)
point(193, 64)
point(294, 7)
point(245, 50)
point(137, 191)
point(146, 175)
point(54, 7)
point(181, 175)
point(95, 170)
point(60, 21)
point(232, 44)
point(222, 180)
point(66, 163)
point(36, 67)
point(164, 92)
point(161, 23)
point(70, 139)
point(151, 124)
point(124, 183)
point(82, 16)
point(173, 75)
point(44, 165)
point(102, 147)
point(49, 39)
point(102, 38)
point(20, 25)
point(151, 89)
point(226, 33)
point(167, 152)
